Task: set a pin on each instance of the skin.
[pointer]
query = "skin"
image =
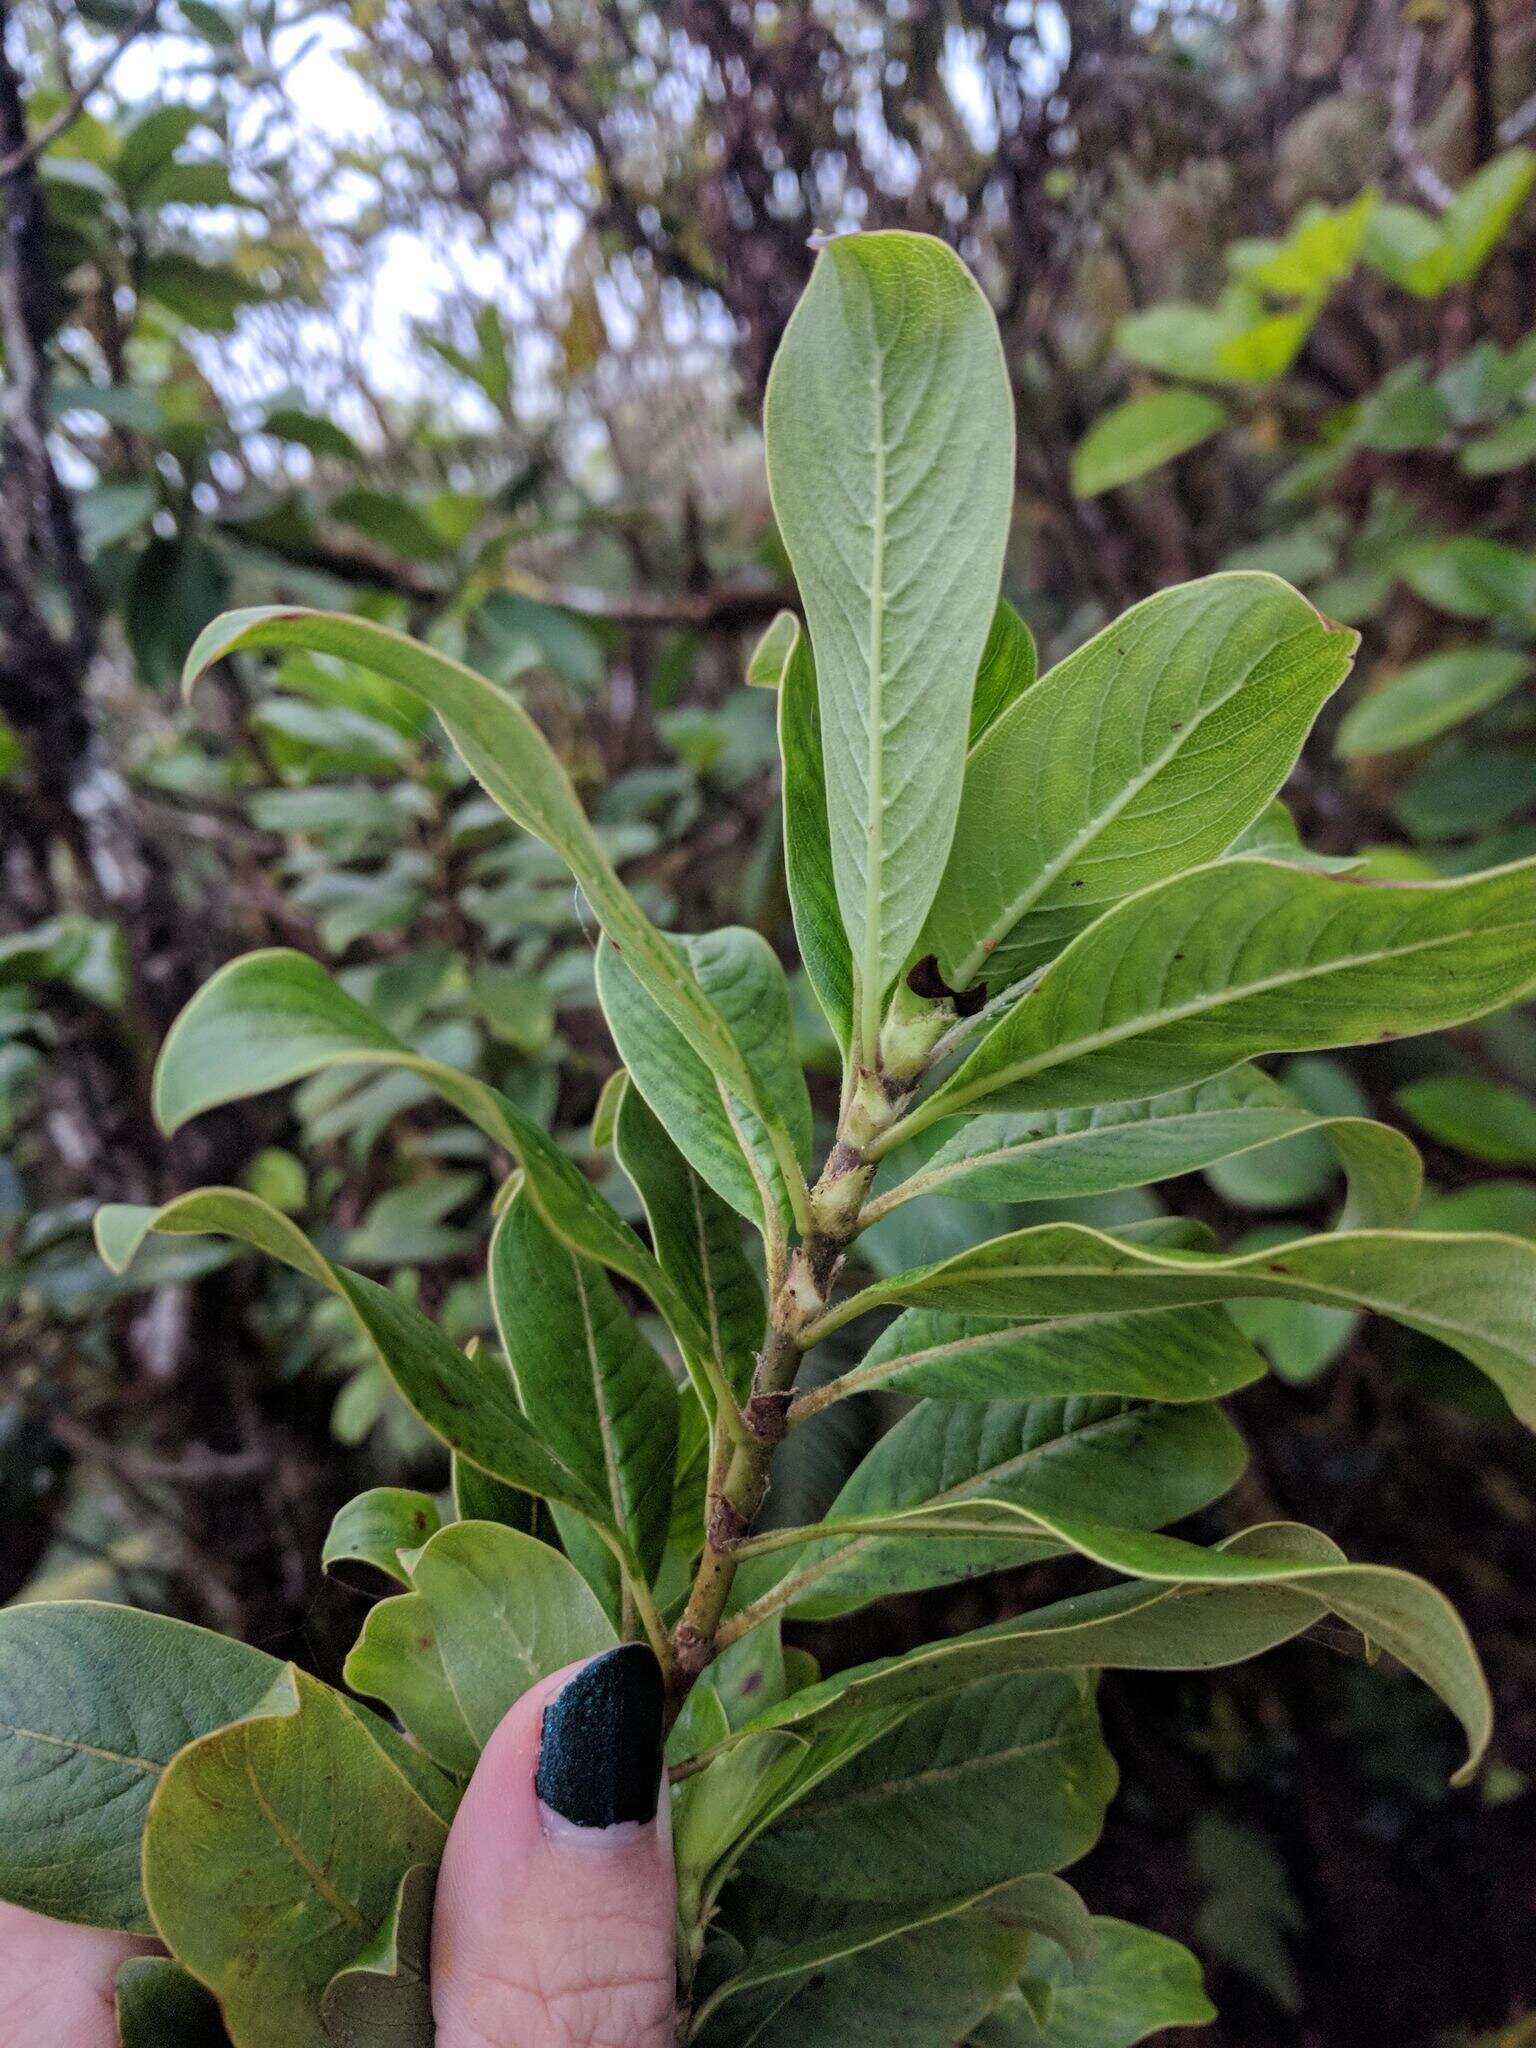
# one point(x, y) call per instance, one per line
point(544, 1935)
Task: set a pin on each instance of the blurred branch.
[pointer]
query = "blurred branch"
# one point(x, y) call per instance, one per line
point(197, 1465)
point(29, 151)
point(1485, 137)
point(724, 607)
point(1405, 143)
point(1518, 124)
point(38, 541)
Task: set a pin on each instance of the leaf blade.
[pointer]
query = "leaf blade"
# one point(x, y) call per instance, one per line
point(1248, 956)
point(1475, 1292)
point(590, 1384)
point(1146, 752)
point(889, 401)
point(94, 1703)
point(509, 756)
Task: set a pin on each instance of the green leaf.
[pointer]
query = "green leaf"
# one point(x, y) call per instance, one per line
point(1426, 256)
point(206, 295)
point(1176, 1355)
point(513, 761)
point(94, 1703)
point(1274, 835)
point(397, 1661)
point(1005, 1779)
point(160, 2006)
point(889, 431)
point(1405, 411)
point(1472, 1115)
point(925, 1989)
point(1291, 1570)
point(469, 1402)
point(1481, 384)
point(1009, 666)
point(173, 586)
point(477, 1497)
point(311, 430)
point(1506, 1206)
point(1137, 1627)
point(1246, 957)
point(717, 1809)
point(1136, 1466)
point(1321, 246)
point(1249, 1907)
point(1303, 1169)
point(376, 1526)
point(210, 22)
point(590, 1384)
point(1141, 435)
point(1144, 753)
point(1429, 697)
point(151, 143)
point(121, 405)
point(1134, 1984)
point(698, 1243)
point(1474, 578)
point(1042, 1904)
point(277, 1016)
point(1238, 342)
point(1465, 788)
point(274, 1851)
point(771, 656)
point(818, 922)
point(392, 522)
point(1510, 446)
point(110, 512)
point(715, 1130)
point(1060, 1155)
point(1475, 1293)
point(384, 1999)
point(507, 1611)
point(198, 183)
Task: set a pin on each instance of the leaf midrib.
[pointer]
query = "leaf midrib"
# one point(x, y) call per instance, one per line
point(993, 1474)
point(600, 1398)
point(936, 1774)
point(1177, 744)
point(967, 969)
point(1296, 1122)
point(337, 1900)
point(1145, 1022)
point(77, 1748)
point(706, 1267)
point(874, 849)
point(862, 1378)
point(1266, 1281)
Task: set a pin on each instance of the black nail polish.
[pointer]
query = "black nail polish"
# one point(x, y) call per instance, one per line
point(600, 1751)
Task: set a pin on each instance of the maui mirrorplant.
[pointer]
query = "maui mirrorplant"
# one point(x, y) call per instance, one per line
point(1052, 922)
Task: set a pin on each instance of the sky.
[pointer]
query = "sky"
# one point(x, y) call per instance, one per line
point(411, 273)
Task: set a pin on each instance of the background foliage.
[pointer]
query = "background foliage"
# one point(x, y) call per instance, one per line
point(459, 316)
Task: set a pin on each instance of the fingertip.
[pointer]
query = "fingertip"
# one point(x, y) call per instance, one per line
point(557, 1888)
point(600, 1744)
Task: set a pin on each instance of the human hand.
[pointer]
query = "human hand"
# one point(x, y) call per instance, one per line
point(553, 1926)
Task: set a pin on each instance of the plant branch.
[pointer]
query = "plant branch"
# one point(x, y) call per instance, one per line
point(798, 1311)
point(1405, 142)
point(732, 605)
point(650, 1615)
point(1480, 66)
point(74, 106)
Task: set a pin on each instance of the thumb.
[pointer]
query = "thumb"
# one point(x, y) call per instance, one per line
point(57, 1981)
point(554, 1922)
